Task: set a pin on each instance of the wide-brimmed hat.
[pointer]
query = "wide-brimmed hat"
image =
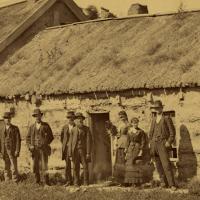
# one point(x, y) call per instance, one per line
point(37, 112)
point(7, 115)
point(70, 114)
point(157, 104)
point(79, 115)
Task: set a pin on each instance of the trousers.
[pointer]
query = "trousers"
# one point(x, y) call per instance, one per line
point(40, 165)
point(162, 162)
point(79, 157)
point(68, 173)
point(10, 169)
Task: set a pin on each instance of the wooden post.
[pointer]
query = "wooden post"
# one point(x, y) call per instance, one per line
point(113, 153)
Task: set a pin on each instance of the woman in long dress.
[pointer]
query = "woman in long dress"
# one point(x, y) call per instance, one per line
point(136, 140)
point(119, 167)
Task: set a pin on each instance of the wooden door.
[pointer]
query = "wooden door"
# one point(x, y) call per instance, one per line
point(100, 167)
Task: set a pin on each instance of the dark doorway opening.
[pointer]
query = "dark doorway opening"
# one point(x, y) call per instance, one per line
point(101, 166)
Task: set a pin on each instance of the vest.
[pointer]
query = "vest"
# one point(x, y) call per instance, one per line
point(7, 140)
point(37, 138)
point(157, 132)
point(79, 142)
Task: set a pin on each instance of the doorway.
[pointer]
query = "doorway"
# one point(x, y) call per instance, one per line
point(101, 166)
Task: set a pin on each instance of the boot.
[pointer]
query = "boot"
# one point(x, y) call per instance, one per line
point(46, 179)
point(37, 178)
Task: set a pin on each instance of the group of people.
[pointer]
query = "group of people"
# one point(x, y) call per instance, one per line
point(135, 147)
point(76, 147)
point(132, 146)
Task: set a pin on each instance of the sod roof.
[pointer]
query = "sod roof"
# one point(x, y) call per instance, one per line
point(111, 55)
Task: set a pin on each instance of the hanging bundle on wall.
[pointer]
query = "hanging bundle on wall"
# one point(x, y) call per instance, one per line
point(150, 97)
point(33, 99)
point(36, 99)
point(65, 105)
point(107, 95)
point(95, 96)
point(9, 99)
point(119, 100)
point(27, 97)
point(12, 111)
point(15, 100)
point(181, 95)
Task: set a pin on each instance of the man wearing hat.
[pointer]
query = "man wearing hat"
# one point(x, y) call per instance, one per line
point(80, 149)
point(38, 140)
point(10, 145)
point(65, 135)
point(161, 136)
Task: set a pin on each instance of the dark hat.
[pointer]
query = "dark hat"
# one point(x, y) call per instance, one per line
point(157, 104)
point(135, 120)
point(7, 115)
point(79, 115)
point(122, 114)
point(70, 114)
point(36, 112)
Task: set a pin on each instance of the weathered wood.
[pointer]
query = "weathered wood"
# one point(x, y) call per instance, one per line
point(35, 16)
point(11, 3)
point(26, 24)
point(75, 9)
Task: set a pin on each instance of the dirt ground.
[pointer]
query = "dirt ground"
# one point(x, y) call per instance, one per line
point(28, 190)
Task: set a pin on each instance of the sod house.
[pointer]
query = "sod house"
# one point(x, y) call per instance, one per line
point(135, 61)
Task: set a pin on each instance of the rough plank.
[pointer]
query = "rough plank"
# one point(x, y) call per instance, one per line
point(7, 3)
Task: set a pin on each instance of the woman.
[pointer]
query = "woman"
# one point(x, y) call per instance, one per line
point(136, 140)
point(119, 167)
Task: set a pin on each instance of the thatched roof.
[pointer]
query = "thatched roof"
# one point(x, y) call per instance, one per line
point(112, 55)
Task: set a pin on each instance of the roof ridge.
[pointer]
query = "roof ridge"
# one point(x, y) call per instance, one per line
point(123, 18)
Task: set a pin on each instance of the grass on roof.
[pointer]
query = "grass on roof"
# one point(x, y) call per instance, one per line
point(149, 52)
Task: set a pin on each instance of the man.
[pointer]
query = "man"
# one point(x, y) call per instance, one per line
point(162, 135)
point(65, 135)
point(80, 149)
point(10, 145)
point(38, 140)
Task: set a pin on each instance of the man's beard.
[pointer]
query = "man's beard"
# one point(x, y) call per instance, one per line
point(79, 124)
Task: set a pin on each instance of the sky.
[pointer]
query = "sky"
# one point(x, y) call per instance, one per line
point(120, 7)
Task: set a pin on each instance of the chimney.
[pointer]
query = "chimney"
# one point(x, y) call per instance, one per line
point(137, 8)
point(105, 13)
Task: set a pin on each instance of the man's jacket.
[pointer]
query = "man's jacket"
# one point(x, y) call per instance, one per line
point(83, 135)
point(65, 135)
point(166, 129)
point(10, 139)
point(45, 137)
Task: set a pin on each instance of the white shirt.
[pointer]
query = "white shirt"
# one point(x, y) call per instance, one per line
point(7, 126)
point(38, 125)
point(158, 118)
point(71, 127)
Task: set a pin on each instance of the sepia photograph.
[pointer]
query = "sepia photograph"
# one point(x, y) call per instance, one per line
point(99, 99)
